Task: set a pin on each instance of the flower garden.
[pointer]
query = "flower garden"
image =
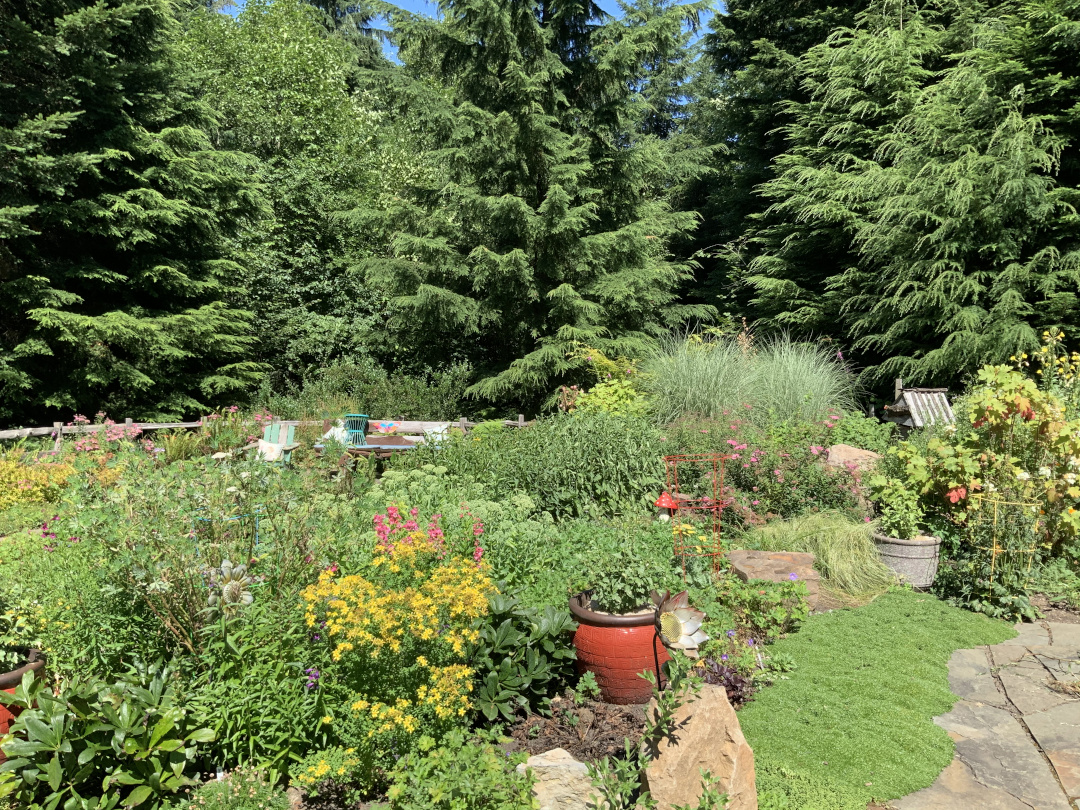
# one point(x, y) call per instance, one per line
point(218, 628)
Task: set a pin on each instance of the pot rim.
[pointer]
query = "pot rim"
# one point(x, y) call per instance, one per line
point(921, 540)
point(585, 615)
point(35, 660)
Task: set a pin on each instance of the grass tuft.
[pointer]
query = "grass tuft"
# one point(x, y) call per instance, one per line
point(844, 550)
point(854, 723)
point(779, 378)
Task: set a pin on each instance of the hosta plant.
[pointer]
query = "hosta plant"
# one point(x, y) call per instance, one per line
point(96, 746)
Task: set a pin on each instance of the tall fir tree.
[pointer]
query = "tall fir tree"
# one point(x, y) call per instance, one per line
point(920, 213)
point(114, 214)
point(549, 226)
point(748, 75)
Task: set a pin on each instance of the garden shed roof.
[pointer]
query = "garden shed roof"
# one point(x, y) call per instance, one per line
point(918, 407)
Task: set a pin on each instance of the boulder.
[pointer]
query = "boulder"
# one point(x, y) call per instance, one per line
point(852, 458)
point(777, 566)
point(707, 736)
point(562, 783)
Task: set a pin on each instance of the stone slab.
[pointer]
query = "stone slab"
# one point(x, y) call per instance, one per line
point(1000, 755)
point(1029, 634)
point(777, 566)
point(1007, 653)
point(1025, 684)
point(1060, 662)
point(1066, 635)
point(1058, 734)
point(970, 678)
point(851, 457)
point(957, 788)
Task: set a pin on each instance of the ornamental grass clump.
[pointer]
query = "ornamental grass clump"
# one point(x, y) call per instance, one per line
point(778, 379)
point(843, 549)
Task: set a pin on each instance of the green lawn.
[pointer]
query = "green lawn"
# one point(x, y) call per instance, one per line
point(854, 722)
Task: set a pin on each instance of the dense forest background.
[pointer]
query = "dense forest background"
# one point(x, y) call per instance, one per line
point(199, 208)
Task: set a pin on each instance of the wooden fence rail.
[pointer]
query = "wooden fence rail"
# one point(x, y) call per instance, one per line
point(58, 429)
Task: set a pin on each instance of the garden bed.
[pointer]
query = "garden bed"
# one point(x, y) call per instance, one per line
point(589, 731)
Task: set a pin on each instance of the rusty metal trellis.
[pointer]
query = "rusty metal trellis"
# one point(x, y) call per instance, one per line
point(696, 482)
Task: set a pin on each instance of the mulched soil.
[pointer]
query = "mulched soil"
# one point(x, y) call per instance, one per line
point(588, 732)
point(1055, 611)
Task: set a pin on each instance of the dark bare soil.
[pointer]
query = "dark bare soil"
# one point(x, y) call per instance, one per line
point(1055, 611)
point(588, 732)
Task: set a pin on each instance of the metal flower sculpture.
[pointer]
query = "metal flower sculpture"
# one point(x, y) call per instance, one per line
point(230, 588)
point(678, 624)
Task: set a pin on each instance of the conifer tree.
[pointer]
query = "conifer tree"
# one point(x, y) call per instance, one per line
point(114, 211)
point(549, 225)
point(920, 213)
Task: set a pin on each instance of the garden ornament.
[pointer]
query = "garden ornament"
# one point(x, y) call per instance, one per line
point(230, 588)
point(678, 624)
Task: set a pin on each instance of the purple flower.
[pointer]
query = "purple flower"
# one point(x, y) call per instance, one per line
point(723, 657)
point(750, 642)
point(793, 576)
point(731, 634)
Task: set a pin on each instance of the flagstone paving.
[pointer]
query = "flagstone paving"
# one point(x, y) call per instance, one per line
point(1016, 726)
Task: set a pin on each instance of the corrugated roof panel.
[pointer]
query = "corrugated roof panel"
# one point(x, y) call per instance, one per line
point(928, 408)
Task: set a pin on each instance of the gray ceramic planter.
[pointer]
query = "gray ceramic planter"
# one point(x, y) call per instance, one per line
point(914, 561)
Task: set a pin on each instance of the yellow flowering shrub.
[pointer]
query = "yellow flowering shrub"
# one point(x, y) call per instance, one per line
point(338, 763)
point(410, 593)
point(38, 482)
point(399, 631)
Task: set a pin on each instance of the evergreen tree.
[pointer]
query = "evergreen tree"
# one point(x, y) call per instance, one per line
point(114, 215)
point(919, 212)
point(548, 226)
point(749, 73)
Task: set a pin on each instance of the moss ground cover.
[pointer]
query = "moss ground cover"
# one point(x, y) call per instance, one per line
point(854, 724)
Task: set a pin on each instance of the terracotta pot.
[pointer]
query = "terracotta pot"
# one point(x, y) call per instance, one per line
point(616, 649)
point(35, 660)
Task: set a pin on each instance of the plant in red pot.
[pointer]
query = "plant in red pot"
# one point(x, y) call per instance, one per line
point(19, 654)
point(619, 633)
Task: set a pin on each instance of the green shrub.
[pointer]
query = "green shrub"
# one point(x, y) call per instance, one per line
point(859, 430)
point(459, 774)
point(843, 549)
point(775, 471)
point(95, 745)
point(361, 386)
point(594, 465)
point(779, 379)
point(242, 789)
point(523, 657)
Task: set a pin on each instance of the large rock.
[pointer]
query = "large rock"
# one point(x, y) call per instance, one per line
point(777, 566)
point(852, 458)
point(562, 783)
point(707, 736)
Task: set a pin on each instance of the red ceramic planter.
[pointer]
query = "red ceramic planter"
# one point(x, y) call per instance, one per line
point(8, 681)
point(617, 649)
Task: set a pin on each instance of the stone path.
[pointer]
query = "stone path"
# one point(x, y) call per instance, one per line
point(1017, 736)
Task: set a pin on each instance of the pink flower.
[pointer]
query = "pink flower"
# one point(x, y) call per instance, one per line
point(755, 503)
point(816, 449)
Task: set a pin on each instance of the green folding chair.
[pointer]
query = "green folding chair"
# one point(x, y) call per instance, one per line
point(277, 443)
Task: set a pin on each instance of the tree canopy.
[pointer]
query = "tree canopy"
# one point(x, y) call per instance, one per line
point(194, 204)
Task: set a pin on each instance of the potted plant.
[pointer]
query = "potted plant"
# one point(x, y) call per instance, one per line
point(902, 546)
point(18, 655)
point(621, 633)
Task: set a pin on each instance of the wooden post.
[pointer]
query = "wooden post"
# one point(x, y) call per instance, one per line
point(521, 420)
point(462, 423)
point(898, 389)
point(58, 428)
